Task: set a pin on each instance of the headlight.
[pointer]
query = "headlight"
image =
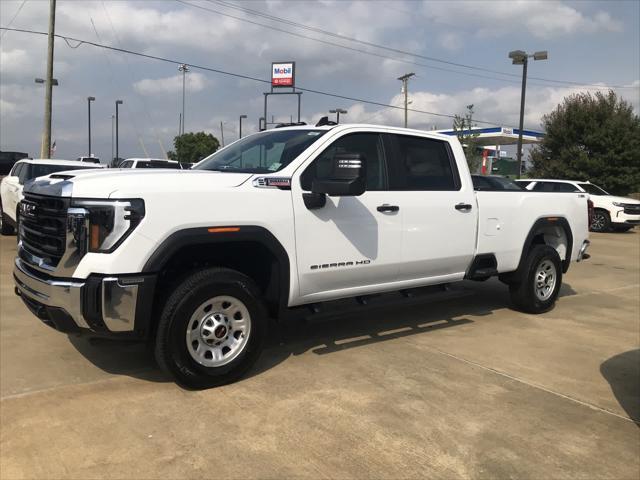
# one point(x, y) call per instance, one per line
point(618, 204)
point(109, 222)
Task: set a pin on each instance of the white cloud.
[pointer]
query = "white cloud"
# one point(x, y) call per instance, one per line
point(542, 18)
point(195, 82)
point(500, 106)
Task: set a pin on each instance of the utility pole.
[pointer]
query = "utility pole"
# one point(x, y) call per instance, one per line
point(113, 118)
point(221, 133)
point(89, 100)
point(405, 89)
point(45, 151)
point(118, 102)
point(240, 126)
point(184, 68)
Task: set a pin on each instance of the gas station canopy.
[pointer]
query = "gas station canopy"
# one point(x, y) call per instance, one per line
point(499, 135)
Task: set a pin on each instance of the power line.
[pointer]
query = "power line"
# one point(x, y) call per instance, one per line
point(15, 15)
point(375, 45)
point(345, 47)
point(233, 74)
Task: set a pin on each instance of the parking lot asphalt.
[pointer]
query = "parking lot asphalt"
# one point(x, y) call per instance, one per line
point(457, 388)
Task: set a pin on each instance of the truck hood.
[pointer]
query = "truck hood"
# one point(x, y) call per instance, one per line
point(612, 198)
point(131, 183)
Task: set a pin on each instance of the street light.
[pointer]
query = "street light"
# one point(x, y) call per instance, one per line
point(89, 100)
point(338, 111)
point(520, 57)
point(118, 102)
point(240, 128)
point(184, 68)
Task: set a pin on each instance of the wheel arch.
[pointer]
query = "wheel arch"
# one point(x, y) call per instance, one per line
point(252, 250)
point(552, 231)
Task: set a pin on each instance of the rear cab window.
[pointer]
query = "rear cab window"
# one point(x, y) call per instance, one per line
point(423, 164)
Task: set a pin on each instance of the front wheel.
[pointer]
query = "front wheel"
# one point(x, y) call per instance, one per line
point(539, 284)
point(212, 328)
point(600, 222)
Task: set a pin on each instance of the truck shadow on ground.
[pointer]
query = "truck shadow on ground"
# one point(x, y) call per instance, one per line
point(336, 331)
point(384, 323)
point(623, 374)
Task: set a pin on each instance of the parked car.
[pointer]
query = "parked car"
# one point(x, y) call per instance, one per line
point(149, 163)
point(610, 212)
point(197, 261)
point(8, 160)
point(12, 185)
point(88, 159)
point(495, 183)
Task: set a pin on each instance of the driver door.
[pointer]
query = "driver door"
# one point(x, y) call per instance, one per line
point(352, 242)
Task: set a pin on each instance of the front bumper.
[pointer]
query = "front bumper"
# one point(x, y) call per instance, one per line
point(114, 305)
point(622, 218)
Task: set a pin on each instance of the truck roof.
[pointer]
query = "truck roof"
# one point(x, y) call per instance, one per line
point(53, 161)
point(346, 126)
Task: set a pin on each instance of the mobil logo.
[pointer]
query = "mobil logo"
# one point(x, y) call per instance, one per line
point(282, 70)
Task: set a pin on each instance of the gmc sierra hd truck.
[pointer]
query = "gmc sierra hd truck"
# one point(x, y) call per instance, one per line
point(200, 261)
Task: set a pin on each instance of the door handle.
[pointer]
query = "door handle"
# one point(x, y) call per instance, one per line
point(388, 208)
point(464, 207)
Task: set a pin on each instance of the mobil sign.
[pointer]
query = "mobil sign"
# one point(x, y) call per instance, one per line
point(283, 74)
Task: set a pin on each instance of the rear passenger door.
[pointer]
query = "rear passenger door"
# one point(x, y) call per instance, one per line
point(438, 207)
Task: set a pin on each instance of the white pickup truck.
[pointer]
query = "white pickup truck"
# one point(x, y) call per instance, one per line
point(199, 261)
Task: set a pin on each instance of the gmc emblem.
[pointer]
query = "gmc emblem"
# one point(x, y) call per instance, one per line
point(28, 209)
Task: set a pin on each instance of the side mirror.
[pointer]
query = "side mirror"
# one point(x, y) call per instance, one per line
point(348, 177)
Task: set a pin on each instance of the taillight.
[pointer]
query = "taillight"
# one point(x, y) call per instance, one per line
point(589, 211)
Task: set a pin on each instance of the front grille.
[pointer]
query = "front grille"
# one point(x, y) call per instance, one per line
point(632, 209)
point(43, 225)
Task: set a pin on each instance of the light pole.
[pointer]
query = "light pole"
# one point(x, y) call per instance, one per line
point(405, 89)
point(338, 111)
point(118, 102)
point(89, 100)
point(520, 57)
point(184, 68)
point(240, 127)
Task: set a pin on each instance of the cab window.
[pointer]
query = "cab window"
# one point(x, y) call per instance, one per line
point(424, 164)
point(369, 145)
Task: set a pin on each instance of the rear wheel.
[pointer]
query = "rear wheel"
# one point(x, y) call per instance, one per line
point(212, 328)
point(600, 222)
point(539, 284)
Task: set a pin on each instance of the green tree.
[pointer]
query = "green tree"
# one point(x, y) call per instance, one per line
point(591, 137)
point(462, 125)
point(193, 147)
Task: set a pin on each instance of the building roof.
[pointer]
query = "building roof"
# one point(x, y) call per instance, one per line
point(499, 135)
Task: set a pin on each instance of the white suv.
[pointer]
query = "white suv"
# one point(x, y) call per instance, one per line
point(150, 163)
point(24, 170)
point(610, 212)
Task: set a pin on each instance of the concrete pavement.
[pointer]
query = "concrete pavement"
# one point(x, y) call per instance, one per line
point(460, 388)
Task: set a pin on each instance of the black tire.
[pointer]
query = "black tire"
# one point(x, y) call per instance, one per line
point(523, 290)
point(5, 227)
point(601, 221)
point(171, 351)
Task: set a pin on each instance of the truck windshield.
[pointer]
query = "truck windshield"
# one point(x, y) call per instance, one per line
point(592, 189)
point(261, 153)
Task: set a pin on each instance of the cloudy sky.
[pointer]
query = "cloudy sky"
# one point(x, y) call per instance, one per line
point(590, 44)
